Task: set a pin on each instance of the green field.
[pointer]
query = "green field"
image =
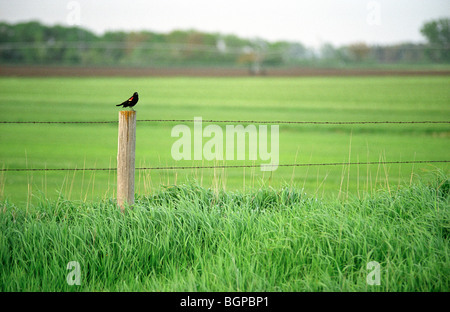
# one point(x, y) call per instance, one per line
point(291, 99)
point(295, 229)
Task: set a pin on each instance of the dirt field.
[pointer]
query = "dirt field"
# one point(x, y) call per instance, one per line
point(39, 71)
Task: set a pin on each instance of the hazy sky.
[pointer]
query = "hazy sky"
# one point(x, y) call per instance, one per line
point(311, 22)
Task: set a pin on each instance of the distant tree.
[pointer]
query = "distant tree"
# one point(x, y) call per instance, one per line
point(327, 51)
point(296, 52)
point(437, 33)
point(359, 51)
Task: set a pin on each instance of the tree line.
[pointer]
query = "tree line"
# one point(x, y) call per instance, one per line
point(36, 43)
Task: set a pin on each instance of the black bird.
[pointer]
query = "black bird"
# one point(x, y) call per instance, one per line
point(131, 101)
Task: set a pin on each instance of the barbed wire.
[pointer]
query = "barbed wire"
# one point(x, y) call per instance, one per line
point(298, 122)
point(58, 122)
point(237, 121)
point(232, 121)
point(237, 166)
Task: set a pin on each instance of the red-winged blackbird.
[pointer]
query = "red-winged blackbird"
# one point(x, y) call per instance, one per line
point(131, 101)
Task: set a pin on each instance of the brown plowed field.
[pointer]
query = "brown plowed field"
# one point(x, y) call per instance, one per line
point(49, 71)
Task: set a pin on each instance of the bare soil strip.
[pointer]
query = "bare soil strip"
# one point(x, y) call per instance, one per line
point(61, 71)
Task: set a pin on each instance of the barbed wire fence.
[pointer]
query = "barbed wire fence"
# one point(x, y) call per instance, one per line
point(237, 166)
point(234, 166)
point(235, 121)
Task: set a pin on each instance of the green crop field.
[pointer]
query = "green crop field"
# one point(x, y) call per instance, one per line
point(313, 228)
point(290, 99)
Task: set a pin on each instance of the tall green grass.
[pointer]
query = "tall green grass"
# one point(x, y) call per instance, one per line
point(191, 238)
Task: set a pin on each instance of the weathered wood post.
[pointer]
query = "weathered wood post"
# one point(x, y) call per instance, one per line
point(126, 159)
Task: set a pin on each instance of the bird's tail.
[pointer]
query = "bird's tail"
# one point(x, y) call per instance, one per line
point(119, 104)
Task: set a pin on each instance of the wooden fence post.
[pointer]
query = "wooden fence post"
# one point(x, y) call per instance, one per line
point(126, 159)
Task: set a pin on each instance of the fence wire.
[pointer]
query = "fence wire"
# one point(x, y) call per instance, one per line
point(236, 121)
point(236, 166)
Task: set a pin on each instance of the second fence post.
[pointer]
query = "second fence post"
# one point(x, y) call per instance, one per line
point(126, 159)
